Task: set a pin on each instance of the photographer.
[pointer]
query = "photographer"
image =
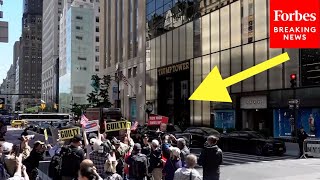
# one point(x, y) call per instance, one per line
point(32, 162)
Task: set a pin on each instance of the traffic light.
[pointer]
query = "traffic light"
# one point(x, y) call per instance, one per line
point(293, 80)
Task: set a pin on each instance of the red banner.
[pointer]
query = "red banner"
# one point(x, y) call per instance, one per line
point(156, 120)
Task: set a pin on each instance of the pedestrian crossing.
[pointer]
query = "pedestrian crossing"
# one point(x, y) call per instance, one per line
point(232, 158)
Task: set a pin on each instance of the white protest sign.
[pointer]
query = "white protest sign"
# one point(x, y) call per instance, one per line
point(92, 126)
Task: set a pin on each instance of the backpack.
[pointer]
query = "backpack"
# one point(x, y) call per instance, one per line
point(3, 172)
point(55, 167)
point(139, 166)
point(70, 162)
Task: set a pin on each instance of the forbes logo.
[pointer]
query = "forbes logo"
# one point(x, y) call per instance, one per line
point(279, 15)
point(294, 24)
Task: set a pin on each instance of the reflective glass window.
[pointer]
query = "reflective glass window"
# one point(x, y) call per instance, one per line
point(189, 29)
point(260, 19)
point(215, 60)
point(151, 6)
point(196, 82)
point(225, 64)
point(236, 67)
point(197, 38)
point(169, 47)
point(205, 105)
point(235, 24)
point(247, 56)
point(205, 34)
point(175, 53)
point(153, 54)
point(261, 82)
point(158, 51)
point(275, 73)
point(182, 40)
point(225, 28)
point(163, 50)
point(215, 31)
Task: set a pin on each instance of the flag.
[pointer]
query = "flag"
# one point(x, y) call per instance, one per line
point(134, 126)
point(84, 120)
point(124, 79)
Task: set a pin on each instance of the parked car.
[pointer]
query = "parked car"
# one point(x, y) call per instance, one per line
point(199, 135)
point(251, 142)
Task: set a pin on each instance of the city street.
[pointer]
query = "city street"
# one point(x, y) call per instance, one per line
point(236, 166)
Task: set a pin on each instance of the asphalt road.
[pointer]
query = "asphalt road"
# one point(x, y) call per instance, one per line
point(238, 166)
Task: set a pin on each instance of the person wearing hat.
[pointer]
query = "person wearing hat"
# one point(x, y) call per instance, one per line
point(146, 148)
point(72, 156)
point(138, 164)
point(32, 161)
point(211, 159)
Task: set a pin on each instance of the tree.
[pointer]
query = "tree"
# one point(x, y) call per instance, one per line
point(77, 109)
point(99, 97)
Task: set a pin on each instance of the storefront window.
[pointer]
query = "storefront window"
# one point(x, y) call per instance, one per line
point(225, 28)
point(260, 20)
point(236, 67)
point(175, 45)
point(189, 53)
point(261, 56)
point(205, 34)
point(275, 73)
point(163, 49)
point(182, 39)
point(169, 47)
point(235, 24)
point(215, 31)
point(247, 56)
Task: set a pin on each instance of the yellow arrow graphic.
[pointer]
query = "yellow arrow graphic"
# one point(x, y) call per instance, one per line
point(214, 88)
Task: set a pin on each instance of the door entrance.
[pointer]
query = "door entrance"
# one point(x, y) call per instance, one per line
point(258, 120)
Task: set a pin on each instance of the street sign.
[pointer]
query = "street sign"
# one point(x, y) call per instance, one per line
point(294, 101)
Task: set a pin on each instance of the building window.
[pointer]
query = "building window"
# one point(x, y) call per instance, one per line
point(97, 38)
point(78, 27)
point(97, 58)
point(129, 72)
point(97, 19)
point(97, 68)
point(97, 29)
point(82, 58)
point(79, 17)
point(97, 48)
point(134, 74)
point(79, 37)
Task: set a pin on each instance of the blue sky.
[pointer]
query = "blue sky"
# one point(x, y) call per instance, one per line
point(12, 12)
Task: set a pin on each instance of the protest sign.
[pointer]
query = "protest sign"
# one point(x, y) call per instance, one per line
point(116, 126)
point(68, 133)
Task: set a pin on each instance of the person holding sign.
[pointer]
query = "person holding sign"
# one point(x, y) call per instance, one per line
point(72, 156)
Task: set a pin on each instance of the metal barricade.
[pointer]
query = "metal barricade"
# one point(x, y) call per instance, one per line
point(311, 148)
point(43, 170)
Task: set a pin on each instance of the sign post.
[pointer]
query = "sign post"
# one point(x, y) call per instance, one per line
point(294, 106)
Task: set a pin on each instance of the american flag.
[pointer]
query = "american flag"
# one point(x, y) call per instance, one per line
point(124, 79)
point(134, 126)
point(84, 120)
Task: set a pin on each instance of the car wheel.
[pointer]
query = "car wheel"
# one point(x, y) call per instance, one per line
point(259, 150)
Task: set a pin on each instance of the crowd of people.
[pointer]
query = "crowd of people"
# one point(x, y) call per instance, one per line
point(100, 157)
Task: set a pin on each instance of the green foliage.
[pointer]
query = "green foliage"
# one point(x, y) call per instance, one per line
point(77, 109)
point(99, 97)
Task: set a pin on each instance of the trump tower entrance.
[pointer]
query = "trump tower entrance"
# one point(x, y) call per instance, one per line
point(173, 93)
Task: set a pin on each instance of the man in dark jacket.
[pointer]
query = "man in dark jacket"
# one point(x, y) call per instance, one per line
point(302, 135)
point(211, 169)
point(32, 161)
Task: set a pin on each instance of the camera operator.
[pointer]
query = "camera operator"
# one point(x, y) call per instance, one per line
point(32, 162)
